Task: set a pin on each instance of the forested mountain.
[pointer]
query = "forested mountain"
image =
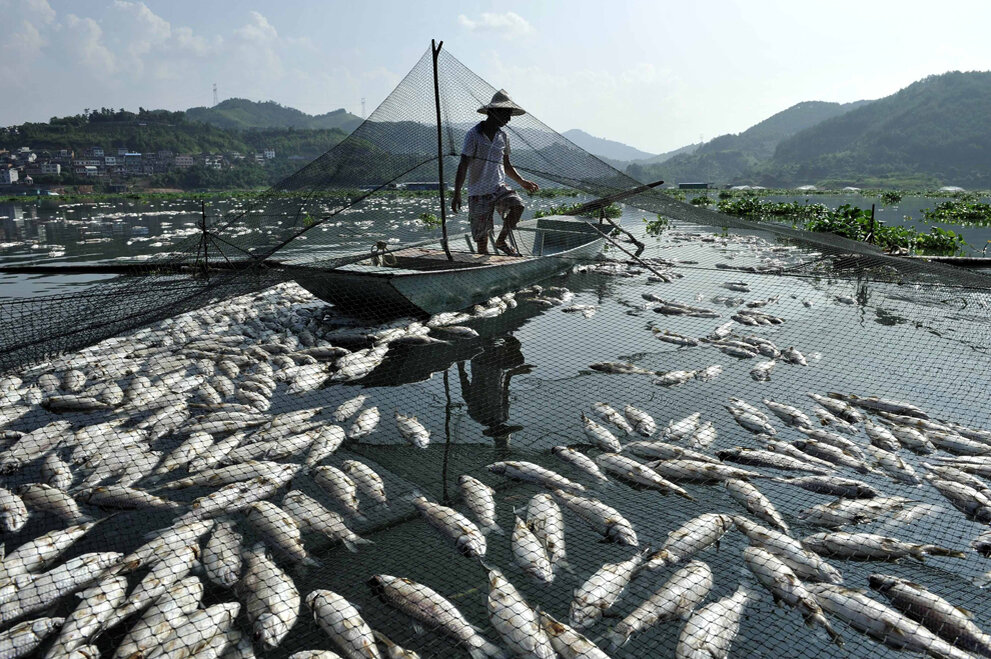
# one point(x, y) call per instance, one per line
point(935, 131)
point(240, 113)
point(161, 130)
point(730, 157)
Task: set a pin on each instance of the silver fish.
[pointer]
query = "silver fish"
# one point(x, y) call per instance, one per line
point(832, 454)
point(529, 553)
point(567, 642)
point(221, 556)
point(87, 620)
point(851, 511)
point(44, 589)
point(544, 519)
point(278, 530)
point(676, 430)
point(710, 631)
point(392, 650)
point(756, 503)
point(13, 512)
point(804, 563)
point(892, 465)
point(349, 408)
point(36, 555)
point(793, 356)
point(234, 497)
point(622, 368)
point(643, 423)
point(690, 538)
point(699, 472)
point(339, 486)
point(939, 616)
point(270, 597)
point(220, 476)
point(840, 408)
point(125, 498)
point(425, 605)
point(605, 520)
point(454, 526)
point(970, 502)
point(515, 621)
point(38, 496)
point(761, 372)
point(641, 474)
point(664, 451)
point(26, 637)
point(580, 461)
point(369, 483)
point(533, 473)
point(882, 623)
point(786, 587)
point(365, 424)
point(325, 441)
point(607, 413)
point(750, 421)
point(789, 414)
point(677, 598)
point(881, 437)
point(677, 339)
point(411, 429)
point(310, 514)
point(480, 499)
point(164, 573)
point(833, 439)
point(761, 458)
point(881, 405)
point(196, 632)
point(166, 542)
point(833, 485)
point(600, 437)
point(871, 547)
point(673, 378)
point(828, 419)
point(159, 620)
point(56, 472)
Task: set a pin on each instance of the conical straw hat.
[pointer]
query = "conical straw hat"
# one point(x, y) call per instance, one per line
point(501, 100)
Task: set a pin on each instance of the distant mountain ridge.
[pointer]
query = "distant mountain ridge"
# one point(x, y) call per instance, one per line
point(727, 158)
point(242, 114)
point(609, 149)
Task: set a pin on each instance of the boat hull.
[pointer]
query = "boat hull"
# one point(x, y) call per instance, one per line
point(559, 244)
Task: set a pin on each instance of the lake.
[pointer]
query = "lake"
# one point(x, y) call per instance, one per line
point(518, 389)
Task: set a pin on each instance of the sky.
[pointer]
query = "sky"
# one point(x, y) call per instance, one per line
point(656, 75)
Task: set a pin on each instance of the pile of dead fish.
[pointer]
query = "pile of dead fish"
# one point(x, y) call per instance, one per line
point(186, 406)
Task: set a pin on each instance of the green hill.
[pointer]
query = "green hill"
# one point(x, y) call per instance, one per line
point(240, 114)
point(936, 131)
point(729, 158)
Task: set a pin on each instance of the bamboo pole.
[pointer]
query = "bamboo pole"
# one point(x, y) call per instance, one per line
point(435, 49)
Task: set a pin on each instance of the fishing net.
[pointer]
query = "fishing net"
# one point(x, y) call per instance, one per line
point(745, 439)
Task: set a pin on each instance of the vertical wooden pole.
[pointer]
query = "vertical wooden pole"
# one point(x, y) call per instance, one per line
point(873, 226)
point(435, 49)
point(206, 262)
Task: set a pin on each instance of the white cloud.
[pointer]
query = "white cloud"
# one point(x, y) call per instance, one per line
point(258, 30)
point(82, 39)
point(509, 25)
point(145, 30)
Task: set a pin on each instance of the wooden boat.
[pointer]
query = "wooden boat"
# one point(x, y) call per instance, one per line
point(422, 280)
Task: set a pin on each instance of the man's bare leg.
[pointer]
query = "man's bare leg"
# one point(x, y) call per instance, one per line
point(483, 245)
point(509, 223)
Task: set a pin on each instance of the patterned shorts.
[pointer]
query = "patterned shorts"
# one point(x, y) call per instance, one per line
point(482, 207)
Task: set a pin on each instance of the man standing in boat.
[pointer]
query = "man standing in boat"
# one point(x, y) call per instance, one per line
point(485, 160)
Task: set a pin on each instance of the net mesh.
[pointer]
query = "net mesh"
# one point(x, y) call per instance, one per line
point(749, 439)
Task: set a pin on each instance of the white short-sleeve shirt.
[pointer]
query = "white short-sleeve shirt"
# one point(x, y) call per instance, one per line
point(486, 173)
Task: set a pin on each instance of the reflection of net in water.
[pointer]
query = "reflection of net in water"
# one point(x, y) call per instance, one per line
point(269, 477)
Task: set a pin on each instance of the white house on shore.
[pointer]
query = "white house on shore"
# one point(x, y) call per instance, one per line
point(8, 176)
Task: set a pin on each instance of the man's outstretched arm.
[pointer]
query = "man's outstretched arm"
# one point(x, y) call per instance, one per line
point(511, 172)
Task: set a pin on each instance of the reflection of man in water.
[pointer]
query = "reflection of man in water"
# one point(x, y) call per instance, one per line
point(487, 393)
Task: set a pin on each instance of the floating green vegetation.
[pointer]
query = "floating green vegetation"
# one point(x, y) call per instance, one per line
point(612, 211)
point(959, 212)
point(701, 200)
point(890, 197)
point(656, 226)
point(847, 221)
point(429, 220)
